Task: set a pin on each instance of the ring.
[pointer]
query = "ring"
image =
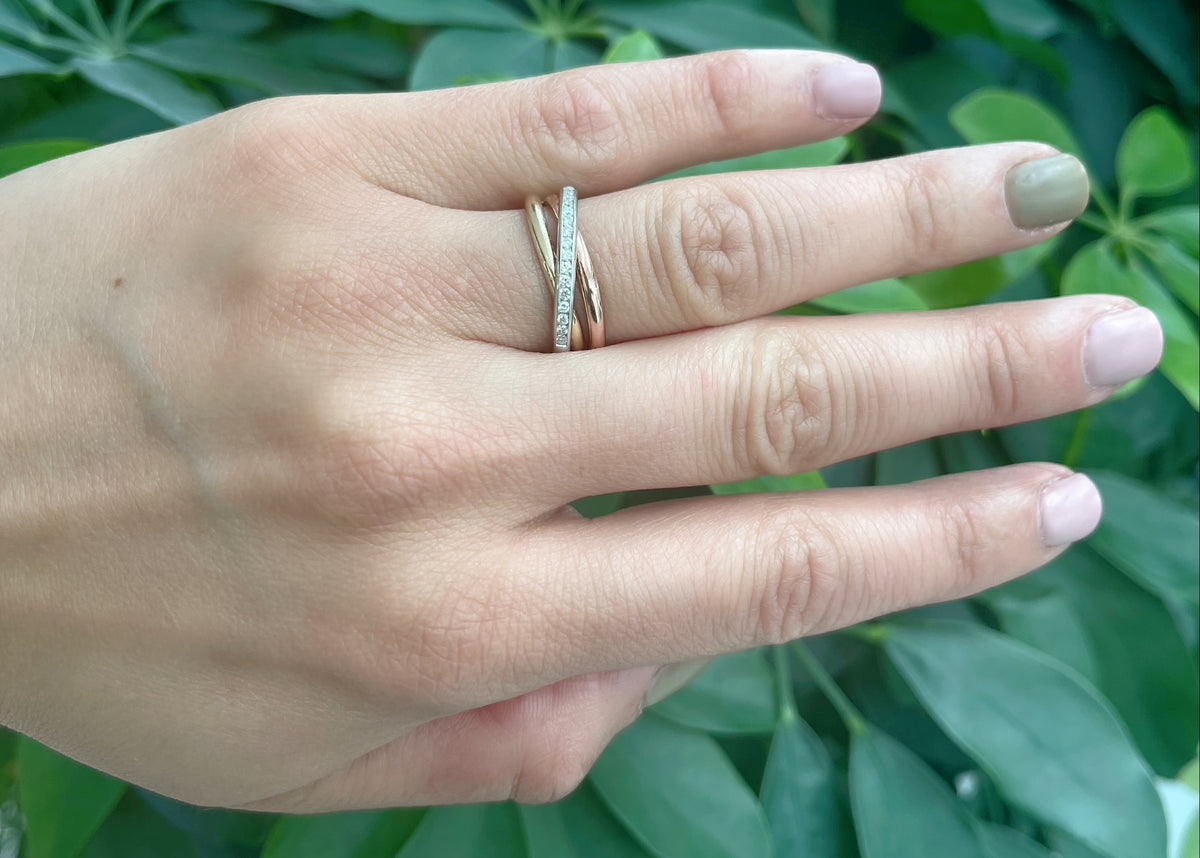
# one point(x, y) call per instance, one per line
point(569, 273)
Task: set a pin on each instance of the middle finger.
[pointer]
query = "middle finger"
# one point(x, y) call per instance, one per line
point(694, 253)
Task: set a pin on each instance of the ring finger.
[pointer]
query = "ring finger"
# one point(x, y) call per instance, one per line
point(694, 253)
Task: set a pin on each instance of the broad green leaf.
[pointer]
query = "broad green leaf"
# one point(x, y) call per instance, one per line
point(994, 115)
point(1164, 34)
point(907, 464)
point(1178, 270)
point(1182, 807)
point(15, 61)
point(1052, 745)
point(974, 282)
point(8, 761)
point(1190, 775)
point(734, 694)
point(883, 296)
point(1148, 536)
point(1153, 157)
point(455, 13)
point(359, 53)
point(679, 795)
point(901, 808)
point(452, 57)
point(800, 793)
point(357, 834)
point(578, 826)
point(633, 47)
point(703, 25)
point(820, 154)
point(599, 505)
point(1135, 655)
point(962, 18)
point(215, 828)
point(467, 829)
point(1095, 269)
point(18, 156)
point(224, 17)
point(1179, 223)
point(1001, 842)
point(151, 87)
point(820, 16)
point(1032, 19)
point(772, 483)
point(135, 830)
point(244, 63)
point(63, 802)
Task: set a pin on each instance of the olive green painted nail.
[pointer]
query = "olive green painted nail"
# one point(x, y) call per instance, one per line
point(1046, 191)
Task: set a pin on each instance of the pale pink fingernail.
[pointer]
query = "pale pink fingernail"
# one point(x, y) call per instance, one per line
point(1070, 510)
point(1122, 346)
point(846, 91)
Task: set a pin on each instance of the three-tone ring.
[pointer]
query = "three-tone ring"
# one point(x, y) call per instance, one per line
point(568, 271)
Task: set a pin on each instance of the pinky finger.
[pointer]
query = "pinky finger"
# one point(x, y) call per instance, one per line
point(686, 579)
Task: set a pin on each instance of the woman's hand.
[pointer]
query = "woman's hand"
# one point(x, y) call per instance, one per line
point(283, 466)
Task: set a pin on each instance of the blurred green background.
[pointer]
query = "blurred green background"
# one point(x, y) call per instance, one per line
point(1056, 715)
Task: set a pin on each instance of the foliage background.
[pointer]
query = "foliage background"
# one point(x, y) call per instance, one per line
point(1053, 715)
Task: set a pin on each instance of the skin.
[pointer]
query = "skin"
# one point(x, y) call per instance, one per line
point(285, 465)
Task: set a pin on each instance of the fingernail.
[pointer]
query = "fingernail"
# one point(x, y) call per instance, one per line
point(1046, 191)
point(1122, 346)
point(846, 91)
point(672, 677)
point(1070, 510)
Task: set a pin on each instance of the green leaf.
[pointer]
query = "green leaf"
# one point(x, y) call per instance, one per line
point(452, 57)
point(1153, 156)
point(1046, 617)
point(244, 63)
point(18, 156)
point(678, 794)
point(772, 483)
point(15, 21)
point(799, 793)
point(1148, 536)
point(1095, 269)
point(152, 88)
point(1179, 223)
point(224, 17)
point(215, 829)
point(974, 282)
point(1164, 34)
point(993, 115)
point(883, 296)
point(578, 826)
point(1052, 745)
point(1033, 19)
point(358, 834)
point(8, 762)
point(351, 51)
point(134, 830)
point(962, 18)
point(1179, 271)
point(820, 16)
point(14, 61)
point(64, 802)
point(820, 154)
point(454, 13)
point(702, 25)
point(1001, 842)
point(633, 47)
point(901, 808)
point(469, 829)
point(1182, 807)
point(734, 695)
point(1135, 654)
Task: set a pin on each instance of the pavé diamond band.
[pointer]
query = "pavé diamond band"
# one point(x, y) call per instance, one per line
point(567, 269)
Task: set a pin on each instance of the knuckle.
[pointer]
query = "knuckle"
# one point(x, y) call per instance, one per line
point(707, 245)
point(928, 229)
point(730, 87)
point(785, 408)
point(1002, 353)
point(572, 118)
point(965, 526)
point(276, 138)
point(803, 574)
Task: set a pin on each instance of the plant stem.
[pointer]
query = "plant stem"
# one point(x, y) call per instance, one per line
point(1078, 438)
point(120, 22)
point(1094, 222)
point(783, 683)
point(850, 716)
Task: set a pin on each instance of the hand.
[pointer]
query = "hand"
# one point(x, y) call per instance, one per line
point(283, 466)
